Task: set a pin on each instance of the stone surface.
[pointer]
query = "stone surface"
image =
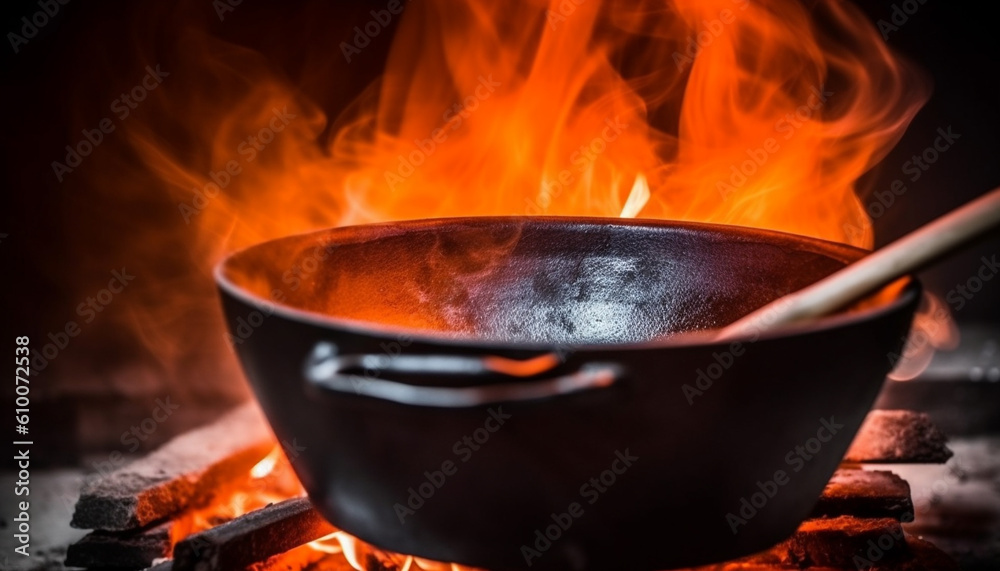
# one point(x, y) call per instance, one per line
point(53, 494)
point(180, 474)
point(898, 436)
point(129, 550)
point(865, 493)
point(830, 542)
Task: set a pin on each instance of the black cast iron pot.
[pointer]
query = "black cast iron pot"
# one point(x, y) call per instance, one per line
point(515, 392)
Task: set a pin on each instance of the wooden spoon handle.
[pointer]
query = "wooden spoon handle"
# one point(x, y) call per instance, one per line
point(906, 255)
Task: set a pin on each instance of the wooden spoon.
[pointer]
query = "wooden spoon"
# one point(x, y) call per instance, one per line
point(906, 255)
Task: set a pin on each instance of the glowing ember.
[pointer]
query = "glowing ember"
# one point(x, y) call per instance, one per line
point(269, 481)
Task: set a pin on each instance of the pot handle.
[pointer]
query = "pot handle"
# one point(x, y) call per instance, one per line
point(324, 368)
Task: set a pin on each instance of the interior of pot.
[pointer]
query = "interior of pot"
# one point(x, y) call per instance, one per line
point(547, 280)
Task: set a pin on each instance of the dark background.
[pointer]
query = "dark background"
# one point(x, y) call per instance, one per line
point(64, 238)
point(64, 77)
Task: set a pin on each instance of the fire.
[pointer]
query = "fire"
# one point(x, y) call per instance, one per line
point(271, 480)
point(637, 198)
point(744, 112)
point(266, 466)
point(759, 113)
point(767, 122)
point(357, 552)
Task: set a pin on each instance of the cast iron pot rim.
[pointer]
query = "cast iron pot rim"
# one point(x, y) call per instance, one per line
point(684, 339)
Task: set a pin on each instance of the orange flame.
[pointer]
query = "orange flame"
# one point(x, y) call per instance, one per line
point(734, 111)
point(357, 552)
point(759, 113)
point(745, 112)
point(932, 329)
point(266, 466)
